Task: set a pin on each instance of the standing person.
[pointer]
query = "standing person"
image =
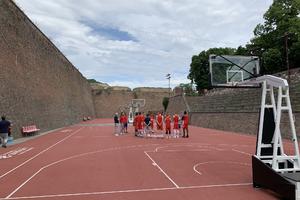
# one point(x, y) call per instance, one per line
point(116, 120)
point(125, 123)
point(135, 124)
point(143, 124)
point(152, 122)
point(140, 124)
point(168, 126)
point(176, 126)
point(122, 122)
point(159, 121)
point(4, 128)
point(147, 123)
point(185, 126)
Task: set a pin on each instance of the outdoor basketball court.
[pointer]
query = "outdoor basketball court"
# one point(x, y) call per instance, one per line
point(86, 161)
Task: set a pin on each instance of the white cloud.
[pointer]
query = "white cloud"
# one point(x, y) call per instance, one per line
point(165, 34)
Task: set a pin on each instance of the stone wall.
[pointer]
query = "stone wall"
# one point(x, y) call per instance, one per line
point(177, 104)
point(153, 97)
point(109, 101)
point(38, 85)
point(235, 109)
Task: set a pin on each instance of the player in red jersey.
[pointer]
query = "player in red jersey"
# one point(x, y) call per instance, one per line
point(152, 123)
point(135, 124)
point(142, 116)
point(125, 123)
point(176, 126)
point(168, 125)
point(140, 124)
point(185, 126)
point(159, 122)
point(122, 119)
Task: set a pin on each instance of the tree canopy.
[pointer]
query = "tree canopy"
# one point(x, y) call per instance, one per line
point(281, 28)
point(282, 22)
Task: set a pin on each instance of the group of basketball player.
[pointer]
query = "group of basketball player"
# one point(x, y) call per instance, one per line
point(144, 125)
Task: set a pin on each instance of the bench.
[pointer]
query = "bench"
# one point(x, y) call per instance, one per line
point(26, 130)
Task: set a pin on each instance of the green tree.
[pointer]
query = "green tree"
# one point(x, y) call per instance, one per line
point(282, 18)
point(165, 102)
point(92, 81)
point(272, 60)
point(242, 51)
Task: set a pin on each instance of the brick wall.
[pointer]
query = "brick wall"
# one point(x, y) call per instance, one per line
point(109, 101)
point(235, 109)
point(38, 85)
point(177, 104)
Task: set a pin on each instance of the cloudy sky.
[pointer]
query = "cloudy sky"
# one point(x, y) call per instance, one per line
point(136, 43)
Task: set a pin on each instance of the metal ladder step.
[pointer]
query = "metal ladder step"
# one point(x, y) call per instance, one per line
point(288, 169)
point(266, 145)
point(269, 106)
point(285, 108)
point(279, 158)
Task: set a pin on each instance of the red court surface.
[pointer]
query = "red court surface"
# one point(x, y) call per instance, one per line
point(87, 162)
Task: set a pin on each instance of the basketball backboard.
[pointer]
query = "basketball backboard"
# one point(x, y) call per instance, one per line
point(138, 103)
point(134, 107)
point(230, 71)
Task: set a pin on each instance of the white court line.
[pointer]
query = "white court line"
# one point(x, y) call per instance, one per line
point(29, 149)
point(196, 150)
point(219, 162)
point(242, 152)
point(154, 163)
point(179, 144)
point(3, 175)
point(84, 154)
point(131, 191)
point(197, 147)
point(72, 157)
point(195, 169)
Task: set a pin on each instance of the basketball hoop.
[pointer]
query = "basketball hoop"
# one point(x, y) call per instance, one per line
point(135, 106)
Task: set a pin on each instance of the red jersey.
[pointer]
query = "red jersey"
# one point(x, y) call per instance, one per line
point(185, 121)
point(140, 122)
point(135, 121)
point(159, 118)
point(176, 121)
point(152, 121)
point(122, 119)
point(142, 119)
point(159, 122)
point(168, 122)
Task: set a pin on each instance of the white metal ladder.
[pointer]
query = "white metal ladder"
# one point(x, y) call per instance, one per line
point(269, 83)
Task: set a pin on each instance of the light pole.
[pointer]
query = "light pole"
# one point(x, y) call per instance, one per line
point(168, 76)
